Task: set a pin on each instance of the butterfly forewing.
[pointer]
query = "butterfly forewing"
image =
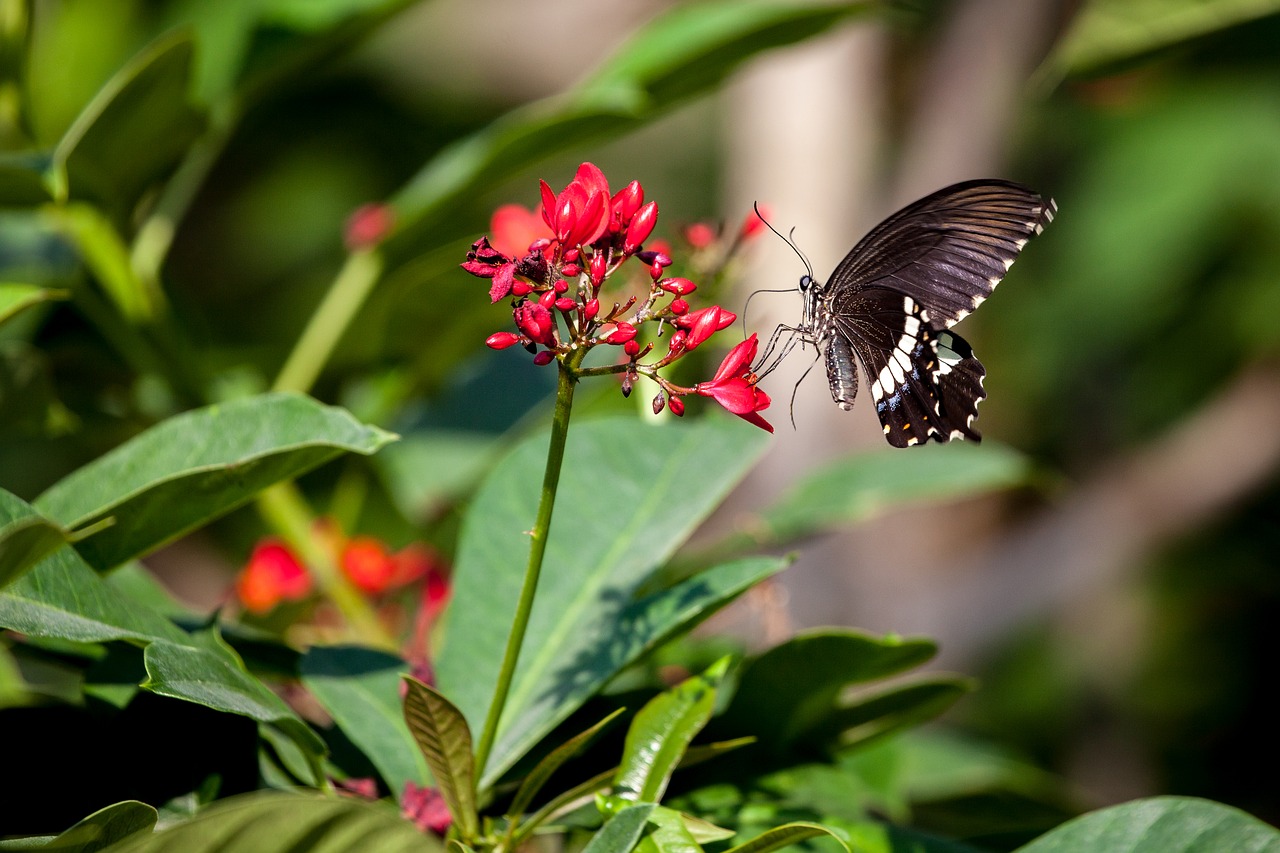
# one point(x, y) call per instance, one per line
point(896, 294)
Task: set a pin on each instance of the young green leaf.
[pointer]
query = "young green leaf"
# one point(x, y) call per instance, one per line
point(671, 834)
point(784, 836)
point(197, 466)
point(442, 735)
point(361, 689)
point(538, 777)
point(875, 716)
point(621, 832)
point(661, 732)
point(1160, 825)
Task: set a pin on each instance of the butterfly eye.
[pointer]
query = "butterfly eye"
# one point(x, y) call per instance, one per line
point(805, 281)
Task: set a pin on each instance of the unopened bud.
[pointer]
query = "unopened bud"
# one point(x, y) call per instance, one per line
point(659, 402)
point(676, 405)
point(564, 303)
point(561, 286)
point(631, 347)
point(571, 270)
point(544, 357)
point(501, 340)
point(520, 288)
point(591, 309)
point(626, 385)
point(679, 306)
point(678, 286)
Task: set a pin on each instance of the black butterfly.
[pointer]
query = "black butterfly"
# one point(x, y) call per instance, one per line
point(894, 297)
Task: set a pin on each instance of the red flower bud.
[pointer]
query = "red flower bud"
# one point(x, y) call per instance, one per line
point(521, 288)
point(273, 574)
point(547, 298)
point(561, 287)
point(678, 286)
point(677, 342)
point(676, 405)
point(572, 255)
point(623, 333)
point(599, 266)
point(367, 564)
point(501, 340)
point(631, 347)
point(591, 309)
point(627, 202)
point(571, 270)
point(700, 235)
point(368, 226)
point(641, 227)
point(679, 307)
point(536, 322)
point(544, 357)
point(564, 303)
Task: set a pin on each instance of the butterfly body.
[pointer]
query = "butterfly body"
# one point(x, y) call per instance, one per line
point(891, 302)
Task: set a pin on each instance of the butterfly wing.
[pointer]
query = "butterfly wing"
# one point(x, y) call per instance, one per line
point(948, 250)
point(900, 289)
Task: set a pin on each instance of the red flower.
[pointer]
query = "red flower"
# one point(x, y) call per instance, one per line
point(426, 808)
point(273, 574)
point(700, 235)
point(702, 324)
point(734, 385)
point(536, 322)
point(368, 225)
point(514, 229)
point(367, 564)
point(580, 214)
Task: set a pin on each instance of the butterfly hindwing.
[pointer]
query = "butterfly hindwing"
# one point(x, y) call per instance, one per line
point(924, 381)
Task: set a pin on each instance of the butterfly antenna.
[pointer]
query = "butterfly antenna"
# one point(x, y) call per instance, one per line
point(808, 268)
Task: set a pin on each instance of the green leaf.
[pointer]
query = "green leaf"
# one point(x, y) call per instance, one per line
point(16, 297)
point(197, 466)
point(661, 732)
point(360, 688)
point(793, 688)
point(442, 735)
point(1105, 33)
point(538, 777)
point(858, 487)
point(26, 541)
point(605, 541)
point(208, 672)
point(671, 834)
point(622, 831)
point(891, 711)
point(135, 129)
point(1160, 825)
point(105, 827)
point(13, 691)
point(284, 822)
point(784, 836)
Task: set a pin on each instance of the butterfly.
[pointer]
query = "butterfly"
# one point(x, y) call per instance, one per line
point(891, 303)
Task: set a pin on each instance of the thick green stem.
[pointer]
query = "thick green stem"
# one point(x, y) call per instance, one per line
point(537, 548)
point(344, 300)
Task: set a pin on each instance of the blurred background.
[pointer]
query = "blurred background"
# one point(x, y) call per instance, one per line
point(1117, 608)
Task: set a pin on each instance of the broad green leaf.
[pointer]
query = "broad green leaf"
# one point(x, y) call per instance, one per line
point(26, 541)
point(784, 836)
point(16, 297)
point(683, 53)
point(538, 777)
point(134, 130)
point(1160, 825)
point(660, 734)
point(207, 671)
point(106, 827)
point(1109, 32)
point(360, 688)
point(608, 535)
point(884, 713)
point(442, 734)
point(621, 832)
point(62, 597)
point(197, 466)
point(793, 688)
point(858, 487)
point(286, 822)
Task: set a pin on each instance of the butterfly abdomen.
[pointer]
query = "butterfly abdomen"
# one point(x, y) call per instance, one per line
point(842, 372)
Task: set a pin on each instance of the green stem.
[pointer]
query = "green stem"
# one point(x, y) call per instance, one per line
point(286, 510)
point(346, 296)
point(537, 549)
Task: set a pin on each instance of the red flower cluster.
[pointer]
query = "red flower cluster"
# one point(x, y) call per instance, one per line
point(553, 262)
point(274, 573)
